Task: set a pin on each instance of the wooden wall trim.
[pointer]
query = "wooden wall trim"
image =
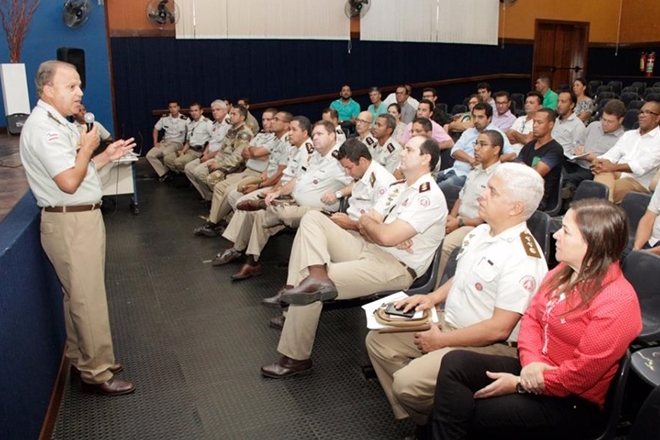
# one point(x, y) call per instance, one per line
point(364, 92)
point(50, 420)
point(143, 33)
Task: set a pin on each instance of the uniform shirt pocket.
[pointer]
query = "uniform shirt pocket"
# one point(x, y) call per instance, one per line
point(485, 269)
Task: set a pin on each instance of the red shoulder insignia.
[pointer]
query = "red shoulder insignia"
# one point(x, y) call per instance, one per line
point(424, 187)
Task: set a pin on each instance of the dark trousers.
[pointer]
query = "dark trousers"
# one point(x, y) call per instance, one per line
point(574, 174)
point(458, 415)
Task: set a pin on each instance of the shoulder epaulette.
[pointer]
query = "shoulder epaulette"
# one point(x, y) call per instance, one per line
point(398, 182)
point(424, 187)
point(335, 154)
point(165, 115)
point(372, 179)
point(391, 147)
point(310, 147)
point(369, 140)
point(529, 245)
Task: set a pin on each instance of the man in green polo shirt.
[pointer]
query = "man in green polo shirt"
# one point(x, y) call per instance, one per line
point(549, 97)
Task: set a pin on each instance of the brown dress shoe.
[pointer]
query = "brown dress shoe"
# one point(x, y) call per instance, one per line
point(226, 256)
point(310, 290)
point(275, 301)
point(277, 322)
point(112, 387)
point(287, 367)
point(247, 271)
point(114, 369)
point(252, 205)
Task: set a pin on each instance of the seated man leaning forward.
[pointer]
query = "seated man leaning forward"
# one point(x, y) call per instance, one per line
point(397, 241)
point(499, 269)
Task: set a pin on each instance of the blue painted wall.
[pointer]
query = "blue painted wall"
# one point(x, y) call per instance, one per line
point(32, 335)
point(47, 32)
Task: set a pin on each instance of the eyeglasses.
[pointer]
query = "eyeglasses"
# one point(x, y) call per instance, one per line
point(362, 121)
point(501, 102)
point(648, 112)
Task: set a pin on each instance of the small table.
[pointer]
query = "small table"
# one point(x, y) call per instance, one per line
point(118, 177)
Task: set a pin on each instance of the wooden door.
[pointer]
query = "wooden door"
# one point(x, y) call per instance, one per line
point(560, 51)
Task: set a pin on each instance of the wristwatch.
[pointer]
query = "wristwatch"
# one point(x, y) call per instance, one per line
point(519, 388)
point(461, 223)
point(339, 195)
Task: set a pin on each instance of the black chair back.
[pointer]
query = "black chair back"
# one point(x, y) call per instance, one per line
point(459, 108)
point(630, 119)
point(450, 268)
point(641, 269)
point(635, 104)
point(540, 225)
point(635, 204)
point(588, 189)
point(614, 399)
point(554, 202)
point(640, 85)
point(626, 97)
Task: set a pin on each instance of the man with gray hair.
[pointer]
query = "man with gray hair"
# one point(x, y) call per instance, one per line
point(499, 269)
point(63, 177)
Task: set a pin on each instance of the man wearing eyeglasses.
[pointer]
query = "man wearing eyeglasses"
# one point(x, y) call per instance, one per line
point(503, 118)
point(634, 159)
point(597, 139)
point(425, 110)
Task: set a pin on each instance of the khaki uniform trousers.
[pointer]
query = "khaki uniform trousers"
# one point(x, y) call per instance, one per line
point(410, 384)
point(75, 245)
point(245, 230)
point(197, 172)
point(178, 163)
point(356, 267)
point(156, 155)
point(452, 240)
point(619, 187)
point(219, 203)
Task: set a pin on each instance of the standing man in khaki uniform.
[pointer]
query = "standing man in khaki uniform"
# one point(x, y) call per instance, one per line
point(499, 269)
point(64, 180)
point(398, 240)
point(174, 126)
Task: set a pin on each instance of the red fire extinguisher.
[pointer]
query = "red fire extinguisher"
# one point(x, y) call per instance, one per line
point(642, 62)
point(650, 64)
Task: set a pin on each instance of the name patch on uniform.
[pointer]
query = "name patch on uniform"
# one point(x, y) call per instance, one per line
point(52, 136)
point(426, 186)
point(390, 147)
point(529, 244)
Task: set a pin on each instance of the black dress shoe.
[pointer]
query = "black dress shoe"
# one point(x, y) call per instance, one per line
point(247, 271)
point(209, 229)
point(112, 387)
point(310, 290)
point(114, 369)
point(251, 205)
point(287, 367)
point(277, 322)
point(226, 256)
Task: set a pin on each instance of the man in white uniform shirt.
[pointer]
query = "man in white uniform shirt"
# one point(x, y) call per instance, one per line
point(313, 189)
point(199, 133)
point(397, 241)
point(499, 269)
point(174, 125)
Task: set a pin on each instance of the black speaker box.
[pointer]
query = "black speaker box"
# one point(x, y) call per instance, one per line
point(76, 57)
point(15, 123)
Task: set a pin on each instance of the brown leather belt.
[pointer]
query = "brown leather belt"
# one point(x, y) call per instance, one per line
point(508, 344)
point(73, 208)
point(412, 273)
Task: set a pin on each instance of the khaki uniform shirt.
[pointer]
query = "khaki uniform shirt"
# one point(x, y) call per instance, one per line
point(175, 128)
point(369, 190)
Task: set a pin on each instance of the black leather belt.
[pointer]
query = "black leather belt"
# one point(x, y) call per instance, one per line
point(412, 273)
point(73, 208)
point(197, 147)
point(508, 344)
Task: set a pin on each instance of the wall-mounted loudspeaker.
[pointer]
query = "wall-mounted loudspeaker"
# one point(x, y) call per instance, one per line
point(76, 57)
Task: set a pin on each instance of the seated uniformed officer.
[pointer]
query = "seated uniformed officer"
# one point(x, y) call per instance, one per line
point(174, 125)
point(387, 151)
point(199, 133)
point(197, 170)
point(363, 124)
point(397, 241)
point(464, 214)
point(371, 183)
point(79, 122)
point(331, 115)
point(499, 269)
point(314, 189)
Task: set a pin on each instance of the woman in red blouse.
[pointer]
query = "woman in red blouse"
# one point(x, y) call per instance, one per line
point(571, 339)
